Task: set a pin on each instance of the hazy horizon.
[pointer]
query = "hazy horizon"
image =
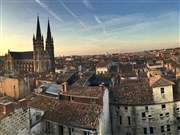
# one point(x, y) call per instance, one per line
point(85, 27)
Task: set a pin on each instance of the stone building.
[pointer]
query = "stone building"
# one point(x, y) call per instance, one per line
point(15, 87)
point(145, 107)
point(14, 118)
point(77, 110)
point(38, 60)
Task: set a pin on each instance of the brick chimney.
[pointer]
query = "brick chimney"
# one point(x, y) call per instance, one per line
point(63, 87)
point(8, 108)
point(22, 103)
point(101, 86)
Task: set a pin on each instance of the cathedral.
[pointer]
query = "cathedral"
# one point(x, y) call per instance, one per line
point(39, 60)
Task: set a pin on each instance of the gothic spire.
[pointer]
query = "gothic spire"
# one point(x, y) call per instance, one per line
point(38, 30)
point(48, 31)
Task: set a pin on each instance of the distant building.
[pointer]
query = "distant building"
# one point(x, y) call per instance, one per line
point(104, 67)
point(38, 60)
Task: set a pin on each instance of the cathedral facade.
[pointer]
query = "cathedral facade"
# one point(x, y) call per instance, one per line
point(39, 60)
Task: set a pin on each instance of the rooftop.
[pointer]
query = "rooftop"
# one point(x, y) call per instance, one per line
point(89, 91)
point(68, 113)
point(158, 81)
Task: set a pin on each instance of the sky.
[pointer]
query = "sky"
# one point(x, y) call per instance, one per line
point(81, 27)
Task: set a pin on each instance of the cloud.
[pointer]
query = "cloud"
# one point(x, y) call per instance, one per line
point(68, 10)
point(87, 4)
point(43, 5)
point(100, 23)
point(75, 16)
point(97, 20)
point(82, 24)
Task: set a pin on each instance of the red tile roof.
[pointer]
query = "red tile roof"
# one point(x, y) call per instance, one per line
point(158, 81)
point(68, 113)
point(89, 91)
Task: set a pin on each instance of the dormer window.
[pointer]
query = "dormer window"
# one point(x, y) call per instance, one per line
point(162, 90)
point(71, 98)
point(93, 101)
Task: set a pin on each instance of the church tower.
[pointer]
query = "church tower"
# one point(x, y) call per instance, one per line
point(50, 46)
point(38, 49)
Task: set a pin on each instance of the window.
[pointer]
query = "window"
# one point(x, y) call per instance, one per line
point(71, 131)
point(71, 98)
point(162, 129)
point(86, 133)
point(161, 115)
point(47, 127)
point(163, 106)
point(167, 114)
point(120, 120)
point(168, 128)
point(129, 120)
point(146, 108)
point(93, 101)
point(38, 115)
point(128, 133)
point(126, 108)
point(145, 131)
point(118, 107)
point(143, 114)
point(178, 128)
point(150, 116)
point(151, 130)
point(162, 90)
point(61, 130)
point(177, 109)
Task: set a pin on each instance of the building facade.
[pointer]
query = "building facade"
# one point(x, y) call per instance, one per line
point(146, 108)
point(38, 60)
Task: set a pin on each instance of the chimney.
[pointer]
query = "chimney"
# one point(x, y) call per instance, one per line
point(8, 108)
point(22, 103)
point(64, 87)
point(101, 86)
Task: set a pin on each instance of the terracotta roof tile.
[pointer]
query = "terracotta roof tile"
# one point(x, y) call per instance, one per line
point(89, 91)
point(68, 113)
point(158, 81)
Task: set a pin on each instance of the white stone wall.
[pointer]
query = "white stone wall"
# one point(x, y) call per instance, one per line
point(167, 96)
point(104, 126)
point(16, 123)
point(155, 117)
point(33, 115)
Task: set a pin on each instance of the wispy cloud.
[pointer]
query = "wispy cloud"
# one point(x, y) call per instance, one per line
point(43, 5)
point(100, 23)
point(87, 4)
point(75, 16)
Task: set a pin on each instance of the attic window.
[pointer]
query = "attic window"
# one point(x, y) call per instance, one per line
point(71, 98)
point(162, 90)
point(93, 101)
point(163, 107)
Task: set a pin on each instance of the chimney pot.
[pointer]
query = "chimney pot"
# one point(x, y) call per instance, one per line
point(8, 108)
